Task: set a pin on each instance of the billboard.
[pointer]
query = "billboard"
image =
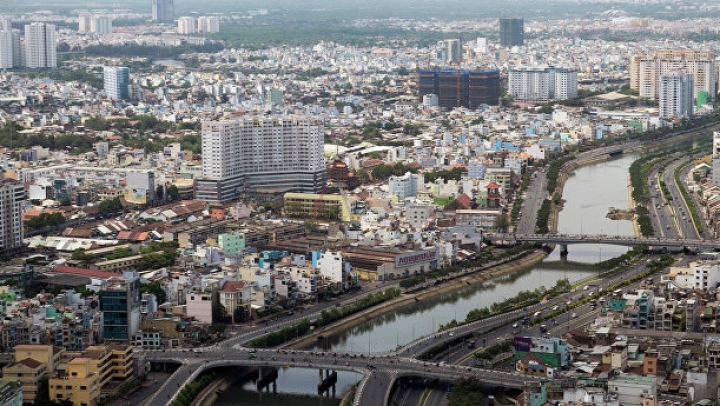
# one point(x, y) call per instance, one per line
point(522, 344)
point(413, 258)
point(135, 195)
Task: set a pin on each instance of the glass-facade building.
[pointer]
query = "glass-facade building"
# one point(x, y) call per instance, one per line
point(120, 307)
point(461, 88)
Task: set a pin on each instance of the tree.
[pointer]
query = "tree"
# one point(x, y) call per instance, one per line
point(65, 202)
point(173, 194)
point(363, 176)
point(156, 289)
point(219, 313)
point(501, 222)
point(240, 314)
point(159, 192)
point(110, 206)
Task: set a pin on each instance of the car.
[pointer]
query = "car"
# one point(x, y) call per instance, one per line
point(452, 333)
point(556, 307)
point(516, 325)
point(574, 315)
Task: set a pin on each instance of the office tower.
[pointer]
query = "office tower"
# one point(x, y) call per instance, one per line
point(187, 25)
point(12, 199)
point(84, 22)
point(120, 306)
point(40, 46)
point(461, 88)
point(117, 82)
point(676, 95)
point(542, 84)
point(260, 155)
point(511, 32)
point(101, 24)
point(209, 24)
point(163, 10)
point(645, 71)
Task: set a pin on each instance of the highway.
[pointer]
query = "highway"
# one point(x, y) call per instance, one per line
point(558, 238)
point(536, 193)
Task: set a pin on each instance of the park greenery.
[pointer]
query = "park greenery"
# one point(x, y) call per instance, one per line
point(543, 217)
point(686, 197)
point(158, 255)
point(554, 171)
point(156, 289)
point(467, 392)
point(43, 220)
point(494, 350)
point(188, 393)
point(282, 336)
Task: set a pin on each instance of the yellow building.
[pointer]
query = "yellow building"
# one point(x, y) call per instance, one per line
point(122, 362)
point(80, 384)
point(331, 207)
point(110, 362)
point(30, 363)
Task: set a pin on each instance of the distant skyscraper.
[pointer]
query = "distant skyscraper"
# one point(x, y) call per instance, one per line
point(163, 10)
point(676, 95)
point(40, 46)
point(12, 199)
point(209, 24)
point(84, 22)
point(117, 82)
point(260, 155)
point(101, 24)
point(542, 84)
point(6, 49)
point(461, 88)
point(511, 32)
point(453, 51)
point(187, 25)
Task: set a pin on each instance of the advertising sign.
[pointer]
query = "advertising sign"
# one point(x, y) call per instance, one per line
point(413, 258)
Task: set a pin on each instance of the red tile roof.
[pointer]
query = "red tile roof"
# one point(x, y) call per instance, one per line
point(232, 286)
point(86, 272)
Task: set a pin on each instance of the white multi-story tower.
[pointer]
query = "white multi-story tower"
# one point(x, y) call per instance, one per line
point(260, 155)
point(6, 49)
point(542, 84)
point(453, 49)
point(208, 24)
point(163, 10)
point(716, 158)
point(645, 72)
point(12, 199)
point(116, 80)
point(676, 95)
point(101, 24)
point(40, 46)
point(84, 22)
point(187, 25)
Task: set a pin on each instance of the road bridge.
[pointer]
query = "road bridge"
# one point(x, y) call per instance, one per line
point(567, 239)
point(371, 390)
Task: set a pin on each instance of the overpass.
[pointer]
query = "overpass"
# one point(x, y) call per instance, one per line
point(566, 239)
point(379, 372)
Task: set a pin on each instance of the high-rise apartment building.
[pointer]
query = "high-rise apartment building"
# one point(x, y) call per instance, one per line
point(6, 49)
point(716, 158)
point(84, 22)
point(97, 23)
point(676, 95)
point(208, 24)
point(542, 84)
point(645, 71)
point(117, 82)
point(120, 306)
point(512, 32)
point(461, 88)
point(452, 51)
point(187, 25)
point(40, 46)
point(260, 155)
point(163, 10)
point(12, 199)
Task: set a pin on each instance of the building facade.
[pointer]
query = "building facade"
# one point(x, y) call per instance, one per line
point(512, 32)
point(40, 46)
point(542, 84)
point(117, 82)
point(469, 89)
point(208, 24)
point(120, 306)
point(187, 25)
point(676, 95)
point(261, 155)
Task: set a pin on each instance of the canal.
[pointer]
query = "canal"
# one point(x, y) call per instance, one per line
point(588, 193)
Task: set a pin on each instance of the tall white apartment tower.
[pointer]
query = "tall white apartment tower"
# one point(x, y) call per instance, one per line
point(676, 95)
point(187, 25)
point(6, 49)
point(645, 71)
point(84, 22)
point(208, 24)
point(453, 49)
point(12, 199)
point(101, 24)
point(260, 155)
point(40, 46)
point(542, 84)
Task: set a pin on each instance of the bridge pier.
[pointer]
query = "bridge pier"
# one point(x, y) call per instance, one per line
point(266, 376)
point(563, 250)
point(328, 383)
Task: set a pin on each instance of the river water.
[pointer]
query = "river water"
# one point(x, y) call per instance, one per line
point(588, 193)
